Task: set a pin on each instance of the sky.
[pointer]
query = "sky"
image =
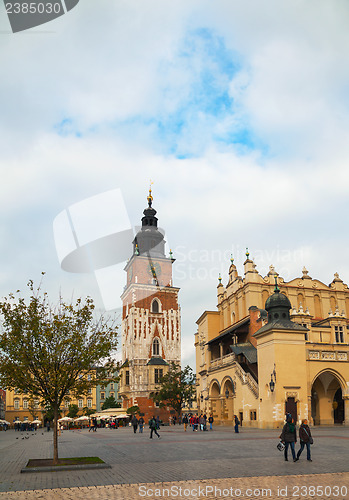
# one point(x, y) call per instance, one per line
point(238, 112)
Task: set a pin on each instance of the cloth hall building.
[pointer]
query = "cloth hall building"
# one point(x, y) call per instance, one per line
point(273, 347)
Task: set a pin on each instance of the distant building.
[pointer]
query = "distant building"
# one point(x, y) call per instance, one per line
point(151, 326)
point(273, 347)
point(103, 392)
point(21, 407)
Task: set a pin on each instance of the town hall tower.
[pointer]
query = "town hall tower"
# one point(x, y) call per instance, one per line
point(151, 329)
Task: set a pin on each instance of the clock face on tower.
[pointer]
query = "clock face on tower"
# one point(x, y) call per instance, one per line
point(154, 269)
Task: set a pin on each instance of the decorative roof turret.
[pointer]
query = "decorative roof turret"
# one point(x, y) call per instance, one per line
point(278, 305)
point(149, 240)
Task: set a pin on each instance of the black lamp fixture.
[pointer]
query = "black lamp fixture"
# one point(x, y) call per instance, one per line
point(272, 380)
point(227, 394)
point(202, 398)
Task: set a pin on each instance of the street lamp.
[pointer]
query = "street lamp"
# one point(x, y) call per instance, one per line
point(272, 384)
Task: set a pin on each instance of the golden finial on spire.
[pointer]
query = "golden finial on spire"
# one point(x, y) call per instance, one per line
point(149, 197)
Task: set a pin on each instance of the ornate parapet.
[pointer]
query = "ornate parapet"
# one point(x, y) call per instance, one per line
point(319, 355)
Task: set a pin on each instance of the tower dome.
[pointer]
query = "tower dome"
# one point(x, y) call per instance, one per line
point(149, 240)
point(278, 306)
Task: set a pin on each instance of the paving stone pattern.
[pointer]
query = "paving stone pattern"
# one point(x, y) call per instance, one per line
point(188, 460)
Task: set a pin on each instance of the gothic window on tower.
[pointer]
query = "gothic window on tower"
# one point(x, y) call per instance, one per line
point(127, 377)
point(156, 347)
point(155, 308)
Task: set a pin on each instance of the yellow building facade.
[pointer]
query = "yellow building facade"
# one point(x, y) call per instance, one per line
point(258, 366)
point(19, 407)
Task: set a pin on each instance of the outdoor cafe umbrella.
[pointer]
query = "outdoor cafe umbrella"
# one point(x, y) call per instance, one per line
point(36, 421)
point(80, 419)
point(65, 419)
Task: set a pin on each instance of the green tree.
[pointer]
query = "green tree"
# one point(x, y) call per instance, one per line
point(88, 411)
point(50, 413)
point(133, 410)
point(51, 351)
point(110, 402)
point(32, 408)
point(176, 388)
point(73, 411)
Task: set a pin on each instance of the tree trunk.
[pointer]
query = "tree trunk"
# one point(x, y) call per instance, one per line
point(55, 438)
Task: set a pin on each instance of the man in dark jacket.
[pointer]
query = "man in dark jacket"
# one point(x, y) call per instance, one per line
point(153, 426)
point(134, 422)
point(236, 424)
point(289, 437)
point(305, 439)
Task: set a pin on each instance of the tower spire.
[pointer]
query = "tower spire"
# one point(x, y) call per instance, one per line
point(150, 197)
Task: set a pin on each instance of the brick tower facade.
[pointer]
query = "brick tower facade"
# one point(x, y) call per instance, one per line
point(151, 329)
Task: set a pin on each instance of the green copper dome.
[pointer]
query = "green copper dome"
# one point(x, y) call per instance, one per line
point(277, 300)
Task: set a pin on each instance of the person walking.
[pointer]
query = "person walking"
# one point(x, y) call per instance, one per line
point(201, 422)
point(134, 422)
point(289, 437)
point(141, 424)
point(210, 421)
point(236, 424)
point(305, 439)
point(153, 427)
point(185, 422)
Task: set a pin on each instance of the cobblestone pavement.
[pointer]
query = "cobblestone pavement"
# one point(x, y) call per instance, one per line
point(196, 462)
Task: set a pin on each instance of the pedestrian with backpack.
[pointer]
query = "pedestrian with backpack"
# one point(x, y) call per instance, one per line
point(152, 427)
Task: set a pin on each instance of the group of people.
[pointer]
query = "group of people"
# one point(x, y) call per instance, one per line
point(197, 422)
point(289, 438)
point(138, 424)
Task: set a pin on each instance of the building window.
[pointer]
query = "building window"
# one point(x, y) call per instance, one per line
point(127, 377)
point(16, 404)
point(25, 404)
point(155, 306)
point(90, 390)
point(112, 386)
point(102, 395)
point(89, 403)
point(253, 415)
point(158, 375)
point(338, 331)
point(112, 394)
point(80, 403)
point(157, 404)
point(156, 347)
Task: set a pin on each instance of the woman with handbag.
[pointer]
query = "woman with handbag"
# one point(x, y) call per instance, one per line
point(305, 440)
point(289, 437)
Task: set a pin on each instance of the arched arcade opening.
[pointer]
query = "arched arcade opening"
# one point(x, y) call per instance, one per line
point(327, 404)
